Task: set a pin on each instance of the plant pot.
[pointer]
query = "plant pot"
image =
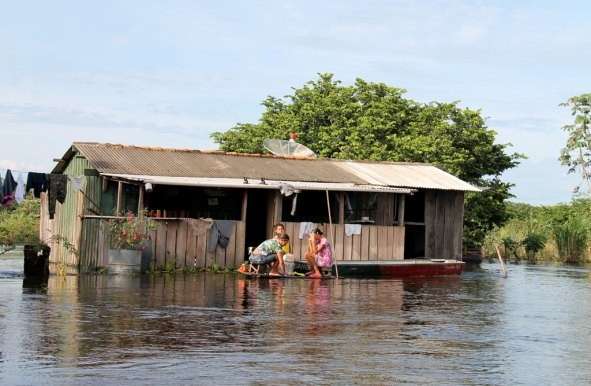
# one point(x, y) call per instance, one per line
point(125, 261)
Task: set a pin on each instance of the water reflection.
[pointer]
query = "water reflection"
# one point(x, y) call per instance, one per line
point(207, 328)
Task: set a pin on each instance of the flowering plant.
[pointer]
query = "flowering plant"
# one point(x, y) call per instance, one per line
point(130, 232)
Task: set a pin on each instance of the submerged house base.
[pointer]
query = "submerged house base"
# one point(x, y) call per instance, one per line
point(382, 215)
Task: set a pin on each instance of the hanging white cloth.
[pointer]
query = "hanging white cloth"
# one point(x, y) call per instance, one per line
point(288, 190)
point(352, 229)
point(19, 193)
point(306, 228)
point(78, 183)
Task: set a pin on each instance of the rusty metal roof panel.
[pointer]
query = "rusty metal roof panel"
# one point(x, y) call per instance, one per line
point(133, 160)
point(193, 163)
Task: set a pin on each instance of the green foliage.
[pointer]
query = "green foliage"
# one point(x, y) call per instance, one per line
point(510, 246)
point(547, 232)
point(572, 238)
point(130, 232)
point(576, 154)
point(533, 243)
point(485, 210)
point(68, 246)
point(374, 121)
point(169, 268)
point(19, 224)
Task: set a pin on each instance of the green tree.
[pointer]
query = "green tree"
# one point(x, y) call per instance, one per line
point(374, 121)
point(20, 224)
point(576, 154)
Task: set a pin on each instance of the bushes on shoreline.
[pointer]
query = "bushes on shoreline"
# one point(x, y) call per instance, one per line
point(19, 224)
point(558, 232)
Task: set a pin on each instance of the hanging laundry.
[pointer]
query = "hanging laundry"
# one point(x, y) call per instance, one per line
point(58, 189)
point(306, 228)
point(8, 200)
point(9, 185)
point(78, 183)
point(38, 182)
point(19, 193)
point(220, 233)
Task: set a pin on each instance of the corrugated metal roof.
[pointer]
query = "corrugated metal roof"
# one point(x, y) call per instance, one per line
point(143, 161)
point(422, 176)
point(257, 183)
point(194, 163)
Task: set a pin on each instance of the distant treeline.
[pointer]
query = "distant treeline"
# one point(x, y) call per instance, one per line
point(556, 232)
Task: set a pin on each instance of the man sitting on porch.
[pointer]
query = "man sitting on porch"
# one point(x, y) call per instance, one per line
point(270, 252)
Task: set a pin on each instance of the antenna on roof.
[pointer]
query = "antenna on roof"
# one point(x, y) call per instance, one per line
point(289, 148)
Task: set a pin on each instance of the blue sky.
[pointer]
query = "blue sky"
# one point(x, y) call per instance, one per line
point(170, 73)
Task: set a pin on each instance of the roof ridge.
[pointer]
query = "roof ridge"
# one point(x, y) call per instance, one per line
point(239, 154)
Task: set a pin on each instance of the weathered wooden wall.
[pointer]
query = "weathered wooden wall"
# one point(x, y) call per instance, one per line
point(444, 224)
point(66, 227)
point(386, 209)
point(175, 243)
point(376, 242)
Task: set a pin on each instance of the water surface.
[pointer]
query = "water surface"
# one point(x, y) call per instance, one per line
point(479, 329)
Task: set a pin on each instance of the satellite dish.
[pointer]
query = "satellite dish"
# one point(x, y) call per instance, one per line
point(289, 148)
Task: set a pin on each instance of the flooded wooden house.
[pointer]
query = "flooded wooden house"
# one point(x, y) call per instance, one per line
point(380, 211)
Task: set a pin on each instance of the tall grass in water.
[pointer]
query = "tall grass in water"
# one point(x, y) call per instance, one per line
point(572, 239)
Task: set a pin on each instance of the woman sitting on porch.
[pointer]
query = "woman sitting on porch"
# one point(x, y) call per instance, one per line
point(319, 254)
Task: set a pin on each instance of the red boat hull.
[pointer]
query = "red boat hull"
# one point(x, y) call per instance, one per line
point(404, 268)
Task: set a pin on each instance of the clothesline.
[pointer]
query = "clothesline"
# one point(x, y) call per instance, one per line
point(4, 170)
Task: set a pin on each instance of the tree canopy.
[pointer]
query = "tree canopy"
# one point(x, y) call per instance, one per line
point(576, 154)
point(375, 121)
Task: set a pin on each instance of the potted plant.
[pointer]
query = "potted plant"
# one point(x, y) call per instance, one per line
point(129, 236)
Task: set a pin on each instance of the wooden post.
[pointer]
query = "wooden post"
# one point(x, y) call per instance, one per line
point(341, 219)
point(401, 203)
point(140, 202)
point(244, 205)
point(119, 198)
point(503, 269)
point(74, 254)
point(330, 234)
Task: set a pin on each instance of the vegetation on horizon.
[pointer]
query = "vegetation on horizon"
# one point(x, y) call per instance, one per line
point(19, 224)
point(556, 232)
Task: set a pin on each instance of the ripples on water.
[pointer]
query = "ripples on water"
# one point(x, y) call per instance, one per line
point(532, 328)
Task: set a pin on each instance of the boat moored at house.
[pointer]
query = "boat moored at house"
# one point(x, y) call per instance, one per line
point(399, 218)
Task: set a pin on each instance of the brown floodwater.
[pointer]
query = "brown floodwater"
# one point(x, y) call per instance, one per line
point(532, 328)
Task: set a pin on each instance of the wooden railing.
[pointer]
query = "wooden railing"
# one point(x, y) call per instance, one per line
point(375, 242)
point(176, 243)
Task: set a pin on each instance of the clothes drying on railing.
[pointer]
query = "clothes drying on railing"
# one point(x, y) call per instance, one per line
point(220, 233)
point(58, 188)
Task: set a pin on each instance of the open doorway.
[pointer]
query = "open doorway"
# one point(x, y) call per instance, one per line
point(414, 226)
point(256, 218)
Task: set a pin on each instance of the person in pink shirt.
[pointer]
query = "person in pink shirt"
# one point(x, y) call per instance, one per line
point(319, 253)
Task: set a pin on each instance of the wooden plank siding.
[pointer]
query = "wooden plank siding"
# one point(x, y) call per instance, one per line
point(444, 219)
point(376, 242)
point(174, 243)
point(66, 227)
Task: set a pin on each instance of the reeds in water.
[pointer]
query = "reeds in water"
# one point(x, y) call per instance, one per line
point(572, 239)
